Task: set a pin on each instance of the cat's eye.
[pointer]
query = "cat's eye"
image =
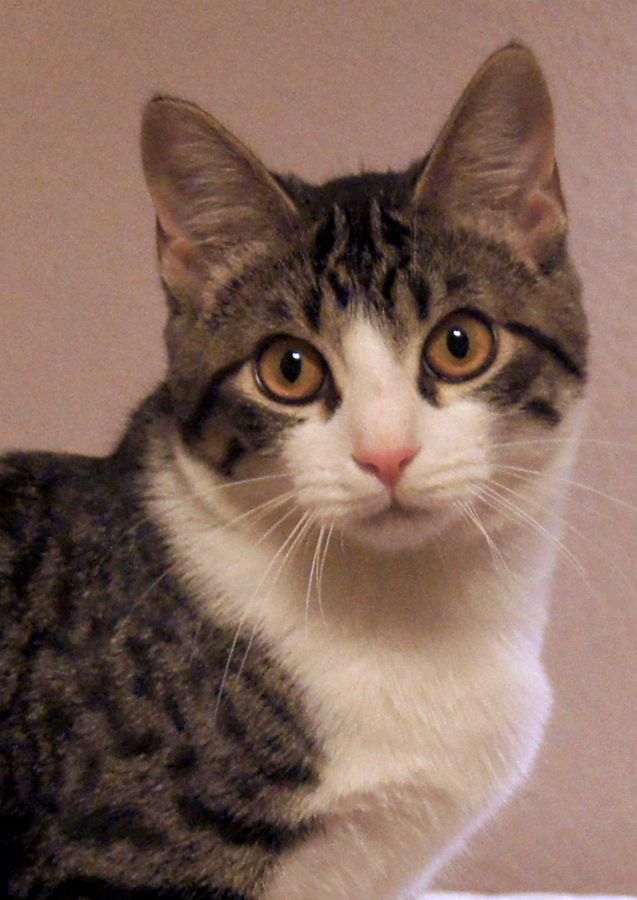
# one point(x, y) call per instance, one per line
point(460, 347)
point(290, 370)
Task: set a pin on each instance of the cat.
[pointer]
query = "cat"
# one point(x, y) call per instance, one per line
point(285, 641)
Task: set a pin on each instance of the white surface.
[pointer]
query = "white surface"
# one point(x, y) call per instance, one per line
point(447, 895)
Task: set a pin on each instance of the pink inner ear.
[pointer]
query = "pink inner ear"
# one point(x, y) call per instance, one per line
point(184, 253)
point(180, 263)
point(539, 212)
point(540, 219)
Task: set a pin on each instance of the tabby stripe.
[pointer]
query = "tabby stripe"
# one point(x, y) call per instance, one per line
point(98, 696)
point(513, 382)
point(64, 586)
point(233, 454)
point(546, 342)
point(387, 285)
point(108, 824)
point(91, 772)
point(288, 771)
point(362, 249)
point(235, 830)
point(183, 761)
point(278, 707)
point(312, 308)
point(325, 242)
point(83, 888)
point(427, 388)
point(257, 425)
point(341, 291)
point(193, 426)
point(456, 282)
point(28, 562)
point(395, 233)
point(542, 409)
point(57, 718)
point(421, 293)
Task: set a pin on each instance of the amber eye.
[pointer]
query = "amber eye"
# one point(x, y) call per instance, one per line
point(460, 347)
point(290, 370)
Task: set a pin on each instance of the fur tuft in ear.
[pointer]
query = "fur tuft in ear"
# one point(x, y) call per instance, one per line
point(493, 167)
point(212, 196)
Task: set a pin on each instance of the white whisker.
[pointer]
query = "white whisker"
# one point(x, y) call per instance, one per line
point(307, 521)
point(319, 576)
point(563, 479)
point(499, 562)
point(557, 490)
point(587, 540)
point(292, 536)
point(534, 524)
point(582, 441)
point(313, 567)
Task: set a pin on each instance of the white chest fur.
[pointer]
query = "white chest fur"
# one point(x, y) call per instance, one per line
point(427, 727)
point(422, 676)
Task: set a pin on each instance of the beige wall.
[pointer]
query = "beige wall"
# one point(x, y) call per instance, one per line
point(320, 87)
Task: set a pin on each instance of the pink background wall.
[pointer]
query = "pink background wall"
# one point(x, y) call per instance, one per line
point(322, 87)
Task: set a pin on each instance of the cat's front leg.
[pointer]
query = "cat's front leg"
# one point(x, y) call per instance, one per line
point(384, 849)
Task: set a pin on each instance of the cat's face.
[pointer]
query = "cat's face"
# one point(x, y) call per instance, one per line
point(385, 351)
point(389, 416)
point(387, 466)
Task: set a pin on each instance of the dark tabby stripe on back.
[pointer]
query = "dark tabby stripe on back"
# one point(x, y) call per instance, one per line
point(108, 824)
point(236, 830)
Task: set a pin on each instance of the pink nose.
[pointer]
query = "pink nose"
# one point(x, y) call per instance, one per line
point(387, 465)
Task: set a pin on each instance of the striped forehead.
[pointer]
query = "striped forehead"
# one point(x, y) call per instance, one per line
point(362, 257)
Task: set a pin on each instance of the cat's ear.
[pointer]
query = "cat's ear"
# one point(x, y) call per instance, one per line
point(493, 167)
point(212, 196)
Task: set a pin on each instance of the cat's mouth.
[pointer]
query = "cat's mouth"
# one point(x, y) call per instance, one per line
point(398, 526)
point(396, 511)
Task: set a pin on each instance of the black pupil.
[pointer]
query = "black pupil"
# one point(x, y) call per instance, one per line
point(291, 365)
point(458, 343)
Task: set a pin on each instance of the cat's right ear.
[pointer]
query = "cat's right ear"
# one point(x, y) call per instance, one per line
point(493, 167)
point(212, 196)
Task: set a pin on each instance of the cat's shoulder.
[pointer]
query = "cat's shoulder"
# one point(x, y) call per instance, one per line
point(39, 493)
point(29, 480)
point(28, 485)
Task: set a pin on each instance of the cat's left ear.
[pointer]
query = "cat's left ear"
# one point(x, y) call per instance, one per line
point(493, 167)
point(213, 198)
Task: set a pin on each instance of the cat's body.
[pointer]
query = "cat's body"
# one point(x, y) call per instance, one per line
point(285, 642)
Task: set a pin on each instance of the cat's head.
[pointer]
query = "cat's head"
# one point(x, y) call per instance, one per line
point(384, 344)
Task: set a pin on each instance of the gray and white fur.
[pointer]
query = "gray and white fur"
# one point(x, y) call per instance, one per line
point(284, 643)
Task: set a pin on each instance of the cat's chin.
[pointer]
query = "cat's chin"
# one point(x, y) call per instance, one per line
point(397, 528)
